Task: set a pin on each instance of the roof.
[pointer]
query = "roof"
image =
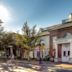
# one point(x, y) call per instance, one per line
point(65, 23)
point(58, 26)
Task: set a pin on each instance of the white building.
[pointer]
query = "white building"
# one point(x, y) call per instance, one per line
point(44, 38)
point(61, 41)
point(58, 41)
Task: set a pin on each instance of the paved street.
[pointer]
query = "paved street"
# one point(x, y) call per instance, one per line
point(33, 66)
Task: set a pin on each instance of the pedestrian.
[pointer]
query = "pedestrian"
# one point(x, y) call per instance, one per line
point(40, 60)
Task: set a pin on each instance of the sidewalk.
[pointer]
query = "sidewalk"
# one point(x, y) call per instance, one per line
point(65, 66)
point(34, 66)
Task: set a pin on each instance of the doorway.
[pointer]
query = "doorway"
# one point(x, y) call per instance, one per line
point(65, 52)
point(59, 52)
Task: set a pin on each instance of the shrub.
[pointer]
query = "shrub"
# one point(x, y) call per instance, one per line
point(47, 58)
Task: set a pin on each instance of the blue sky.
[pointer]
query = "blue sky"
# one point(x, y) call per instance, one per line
point(42, 13)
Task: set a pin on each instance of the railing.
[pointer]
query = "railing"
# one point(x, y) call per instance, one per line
point(66, 20)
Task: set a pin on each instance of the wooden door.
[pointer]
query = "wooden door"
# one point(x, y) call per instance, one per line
point(59, 50)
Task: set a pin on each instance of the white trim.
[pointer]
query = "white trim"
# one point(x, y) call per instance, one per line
point(56, 41)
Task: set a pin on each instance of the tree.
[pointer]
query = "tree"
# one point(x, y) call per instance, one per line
point(13, 39)
point(1, 33)
point(28, 33)
point(30, 36)
point(25, 29)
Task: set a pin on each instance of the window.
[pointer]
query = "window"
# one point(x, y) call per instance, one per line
point(64, 53)
point(68, 53)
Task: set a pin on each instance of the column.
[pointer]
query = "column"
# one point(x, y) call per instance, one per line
point(56, 49)
point(11, 50)
point(56, 53)
point(70, 60)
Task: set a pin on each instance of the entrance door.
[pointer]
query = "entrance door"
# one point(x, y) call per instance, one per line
point(59, 52)
point(65, 52)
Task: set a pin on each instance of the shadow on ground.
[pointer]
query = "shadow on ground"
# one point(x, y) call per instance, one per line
point(31, 67)
point(10, 66)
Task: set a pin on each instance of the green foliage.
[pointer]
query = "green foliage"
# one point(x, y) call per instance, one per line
point(1, 34)
point(30, 36)
point(47, 58)
point(25, 29)
point(7, 39)
point(26, 40)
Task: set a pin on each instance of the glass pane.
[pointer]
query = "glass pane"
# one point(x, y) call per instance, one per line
point(68, 53)
point(64, 53)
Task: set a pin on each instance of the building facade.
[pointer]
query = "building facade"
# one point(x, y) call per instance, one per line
point(57, 40)
point(61, 44)
point(61, 41)
point(43, 50)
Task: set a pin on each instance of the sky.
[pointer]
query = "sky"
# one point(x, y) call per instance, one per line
point(43, 13)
